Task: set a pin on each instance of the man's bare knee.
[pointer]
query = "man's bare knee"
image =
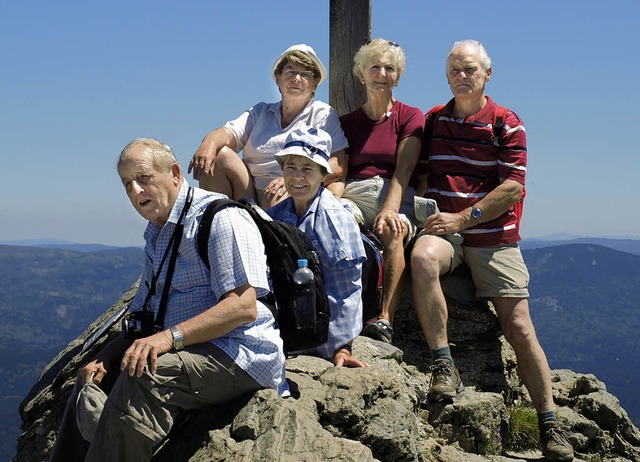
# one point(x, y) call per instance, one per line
point(426, 260)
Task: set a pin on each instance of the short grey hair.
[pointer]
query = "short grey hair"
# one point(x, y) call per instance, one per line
point(485, 60)
point(163, 157)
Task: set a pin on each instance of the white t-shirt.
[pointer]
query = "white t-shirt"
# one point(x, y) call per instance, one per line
point(259, 134)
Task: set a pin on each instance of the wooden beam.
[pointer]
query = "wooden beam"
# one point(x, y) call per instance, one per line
point(349, 29)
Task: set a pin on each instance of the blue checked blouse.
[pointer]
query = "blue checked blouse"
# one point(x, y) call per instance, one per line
point(335, 234)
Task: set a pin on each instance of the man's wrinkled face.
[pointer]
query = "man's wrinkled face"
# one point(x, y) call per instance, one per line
point(151, 192)
point(465, 74)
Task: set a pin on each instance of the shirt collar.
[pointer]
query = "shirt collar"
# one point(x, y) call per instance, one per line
point(289, 209)
point(277, 108)
point(485, 114)
point(152, 230)
point(179, 203)
point(313, 207)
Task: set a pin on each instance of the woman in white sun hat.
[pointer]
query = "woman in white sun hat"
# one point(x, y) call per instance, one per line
point(333, 231)
point(260, 132)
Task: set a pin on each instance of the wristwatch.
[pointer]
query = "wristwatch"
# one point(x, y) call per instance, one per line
point(476, 213)
point(178, 339)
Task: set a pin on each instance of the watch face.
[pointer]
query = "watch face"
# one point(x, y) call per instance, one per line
point(476, 212)
point(178, 339)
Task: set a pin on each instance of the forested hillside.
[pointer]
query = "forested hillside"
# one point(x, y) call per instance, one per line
point(47, 298)
point(585, 303)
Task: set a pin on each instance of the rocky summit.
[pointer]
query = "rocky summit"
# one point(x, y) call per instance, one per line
point(376, 414)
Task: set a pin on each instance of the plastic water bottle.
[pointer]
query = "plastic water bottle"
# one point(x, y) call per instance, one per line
point(305, 297)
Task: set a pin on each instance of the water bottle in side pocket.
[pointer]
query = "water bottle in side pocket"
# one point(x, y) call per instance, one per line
point(305, 295)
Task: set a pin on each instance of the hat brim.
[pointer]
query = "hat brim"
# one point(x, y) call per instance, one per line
point(307, 50)
point(300, 151)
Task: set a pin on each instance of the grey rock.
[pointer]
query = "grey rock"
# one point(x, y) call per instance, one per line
point(376, 414)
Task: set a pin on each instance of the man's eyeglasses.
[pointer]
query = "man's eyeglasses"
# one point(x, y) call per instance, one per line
point(304, 75)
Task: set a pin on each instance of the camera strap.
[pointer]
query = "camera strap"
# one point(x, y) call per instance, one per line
point(173, 245)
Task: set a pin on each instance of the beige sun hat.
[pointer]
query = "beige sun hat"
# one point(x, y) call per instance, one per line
point(312, 143)
point(307, 50)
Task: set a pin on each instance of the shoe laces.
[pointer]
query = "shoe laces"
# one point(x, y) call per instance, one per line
point(440, 369)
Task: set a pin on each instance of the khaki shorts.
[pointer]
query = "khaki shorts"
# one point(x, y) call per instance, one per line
point(454, 244)
point(498, 271)
point(365, 198)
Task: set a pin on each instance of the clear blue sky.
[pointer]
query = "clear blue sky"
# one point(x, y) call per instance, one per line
point(79, 80)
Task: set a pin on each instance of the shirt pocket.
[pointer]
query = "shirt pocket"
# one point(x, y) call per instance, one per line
point(333, 255)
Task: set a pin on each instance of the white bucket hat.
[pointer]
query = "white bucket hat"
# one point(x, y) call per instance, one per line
point(307, 50)
point(312, 143)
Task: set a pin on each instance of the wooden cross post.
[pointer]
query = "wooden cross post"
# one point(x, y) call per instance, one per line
point(349, 29)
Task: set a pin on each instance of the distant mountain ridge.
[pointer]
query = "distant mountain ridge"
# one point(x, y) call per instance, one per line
point(48, 297)
point(62, 245)
point(61, 290)
point(584, 302)
point(383, 414)
point(629, 245)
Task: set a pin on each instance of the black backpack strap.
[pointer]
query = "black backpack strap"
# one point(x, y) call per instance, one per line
point(174, 243)
point(432, 116)
point(499, 116)
point(204, 228)
point(164, 299)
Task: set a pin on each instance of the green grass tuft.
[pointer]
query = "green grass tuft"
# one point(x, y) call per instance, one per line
point(522, 433)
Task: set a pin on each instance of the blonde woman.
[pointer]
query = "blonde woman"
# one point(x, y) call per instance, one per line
point(385, 139)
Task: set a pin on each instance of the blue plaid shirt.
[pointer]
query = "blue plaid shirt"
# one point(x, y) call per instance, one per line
point(335, 234)
point(236, 253)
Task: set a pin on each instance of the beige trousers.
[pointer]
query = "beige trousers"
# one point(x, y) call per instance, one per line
point(140, 411)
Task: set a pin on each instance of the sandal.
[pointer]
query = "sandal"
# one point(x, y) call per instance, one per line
point(379, 330)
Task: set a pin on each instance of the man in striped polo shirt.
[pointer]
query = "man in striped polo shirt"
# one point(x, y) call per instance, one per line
point(476, 175)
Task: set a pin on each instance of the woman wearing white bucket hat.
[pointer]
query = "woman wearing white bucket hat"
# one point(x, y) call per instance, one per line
point(334, 232)
point(261, 131)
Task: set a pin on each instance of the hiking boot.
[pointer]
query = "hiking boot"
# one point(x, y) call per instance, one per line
point(379, 330)
point(555, 443)
point(445, 381)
